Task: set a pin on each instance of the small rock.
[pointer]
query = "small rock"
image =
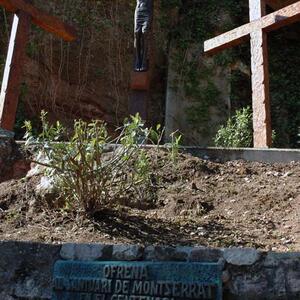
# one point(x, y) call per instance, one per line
point(46, 189)
point(45, 185)
point(247, 179)
point(287, 174)
point(127, 252)
point(225, 276)
point(241, 256)
point(88, 252)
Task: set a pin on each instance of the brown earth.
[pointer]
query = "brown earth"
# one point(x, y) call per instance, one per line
point(199, 202)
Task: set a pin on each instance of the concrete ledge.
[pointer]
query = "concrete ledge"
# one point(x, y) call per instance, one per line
point(26, 268)
point(268, 155)
point(249, 154)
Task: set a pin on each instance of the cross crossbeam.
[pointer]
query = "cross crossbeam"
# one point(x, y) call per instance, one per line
point(45, 21)
point(275, 20)
point(260, 24)
point(25, 13)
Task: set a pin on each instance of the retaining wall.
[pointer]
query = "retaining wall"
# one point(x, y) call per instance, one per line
point(26, 268)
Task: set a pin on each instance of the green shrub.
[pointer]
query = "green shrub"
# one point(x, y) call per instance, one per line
point(93, 170)
point(90, 170)
point(238, 130)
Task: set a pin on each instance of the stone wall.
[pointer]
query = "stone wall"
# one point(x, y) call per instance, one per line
point(26, 268)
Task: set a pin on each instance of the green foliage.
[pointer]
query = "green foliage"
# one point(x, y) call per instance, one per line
point(238, 130)
point(199, 20)
point(173, 146)
point(156, 134)
point(93, 170)
point(86, 174)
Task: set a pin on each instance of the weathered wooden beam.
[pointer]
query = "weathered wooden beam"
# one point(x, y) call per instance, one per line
point(262, 134)
point(280, 18)
point(41, 19)
point(12, 77)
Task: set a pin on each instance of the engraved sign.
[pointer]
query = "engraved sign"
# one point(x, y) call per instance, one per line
point(75, 280)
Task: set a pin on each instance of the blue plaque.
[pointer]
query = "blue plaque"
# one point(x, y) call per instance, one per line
point(74, 280)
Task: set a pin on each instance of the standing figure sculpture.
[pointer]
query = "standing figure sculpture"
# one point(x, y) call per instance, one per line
point(142, 27)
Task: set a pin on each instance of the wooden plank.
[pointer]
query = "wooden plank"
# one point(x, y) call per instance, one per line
point(280, 18)
point(12, 77)
point(41, 19)
point(262, 134)
point(138, 103)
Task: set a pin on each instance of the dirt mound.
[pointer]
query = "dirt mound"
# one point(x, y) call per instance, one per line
point(199, 202)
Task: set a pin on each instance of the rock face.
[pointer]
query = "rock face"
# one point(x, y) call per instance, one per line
point(26, 268)
point(13, 163)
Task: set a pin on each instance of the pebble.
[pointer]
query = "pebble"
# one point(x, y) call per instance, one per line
point(287, 174)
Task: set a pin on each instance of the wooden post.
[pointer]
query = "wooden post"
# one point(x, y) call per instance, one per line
point(139, 94)
point(24, 12)
point(12, 76)
point(260, 79)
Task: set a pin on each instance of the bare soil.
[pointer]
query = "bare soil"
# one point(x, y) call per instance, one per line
point(199, 202)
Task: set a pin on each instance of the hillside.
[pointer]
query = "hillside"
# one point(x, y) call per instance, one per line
point(196, 202)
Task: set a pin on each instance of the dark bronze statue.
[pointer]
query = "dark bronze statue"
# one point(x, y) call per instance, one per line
point(142, 27)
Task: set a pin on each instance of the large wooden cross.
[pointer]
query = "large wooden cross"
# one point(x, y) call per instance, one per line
point(25, 13)
point(260, 24)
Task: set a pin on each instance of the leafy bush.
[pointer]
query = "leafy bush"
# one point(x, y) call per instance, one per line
point(238, 130)
point(90, 170)
point(93, 170)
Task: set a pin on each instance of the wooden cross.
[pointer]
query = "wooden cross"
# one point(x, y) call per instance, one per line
point(260, 24)
point(25, 13)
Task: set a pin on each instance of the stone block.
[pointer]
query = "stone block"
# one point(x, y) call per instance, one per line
point(293, 280)
point(26, 270)
point(4, 296)
point(241, 256)
point(279, 281)
point(140, 81)
point(274, 259)
point(164, 253)
point(205, 255)
point(88, 252)
point(250, 287)
point(127, 252)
